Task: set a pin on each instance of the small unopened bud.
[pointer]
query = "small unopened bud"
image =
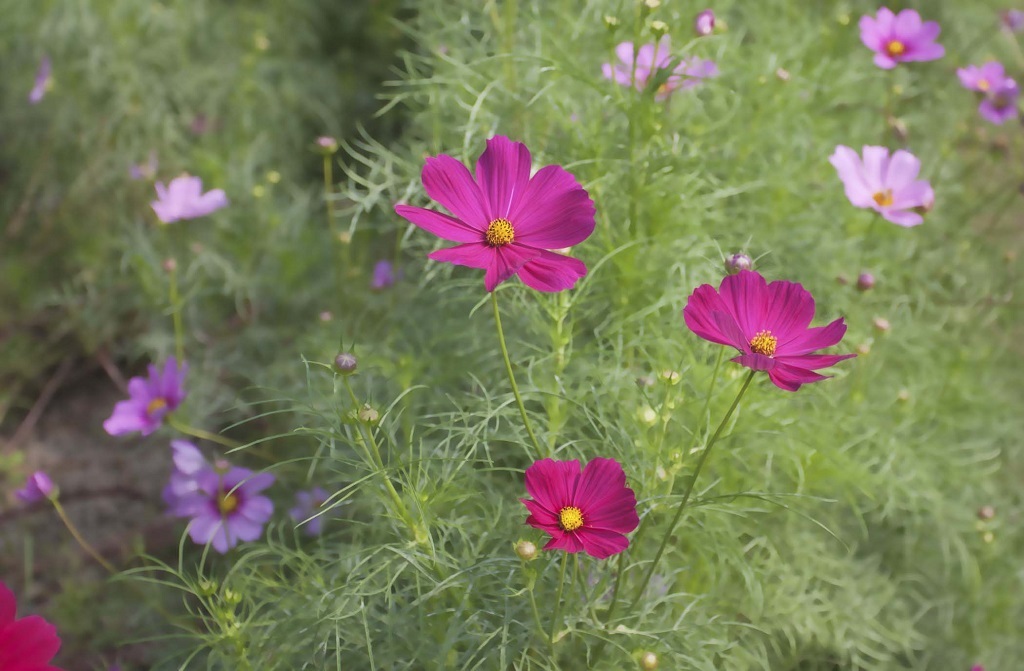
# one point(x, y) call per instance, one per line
point(345, 238)
point(865, 281)
point(704, 24)
point(986, 512)
point(652, 4)
point(526, 550)
point(327, 144)
point(647, 415)
point(659, 28)
point(649, 661)
point(326, 316)
point(645, 381)
point(669, 376)
point(988, 537)
point(863, 349)
point(611, 22)
point(782, 74)
point(231, 596)
point(737, 262)
point(881, 324)
point(273, 176)
point(842, 280)
point(259, 191)
point(346, 363)
point(170, 265)
point(261, 41)
point(368, 414)
point(903, 396)
point(207, 587)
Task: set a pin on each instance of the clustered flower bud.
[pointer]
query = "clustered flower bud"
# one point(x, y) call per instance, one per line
point(738, 262)
point(704, 24)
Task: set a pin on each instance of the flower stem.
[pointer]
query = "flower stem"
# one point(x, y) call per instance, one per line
point(512, 377)
point(201, 434)
point(73, 530)
point(175, 299)
point(558, 602)
point(689, 490)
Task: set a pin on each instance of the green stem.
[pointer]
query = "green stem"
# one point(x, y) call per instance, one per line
point(512, 377)
point(179, 330)
point(178, 425)
point(558, 602)
point(80, 539)
point(533, 607)
point(689, 490)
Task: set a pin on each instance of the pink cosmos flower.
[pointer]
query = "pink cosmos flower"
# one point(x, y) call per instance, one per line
point(226, 506)
point(899, 38)
point(37, 487)
point(769, 324)
point(650, 60)
point(307, 507)
point(150, 399)
point(42, 82)
point(383, 275)
point(1012, 20)
point(704, 24)
point(589, 511)
point(28, 644)
point(188, 461)
point(999, 92)
point(886, 185)
point(506, 220)
point(183, 198)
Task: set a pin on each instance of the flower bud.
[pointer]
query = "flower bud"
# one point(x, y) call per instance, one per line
point(659, 28)
point(704, 24)
point(207, 587)
point(327, 144)
point(611, 23)
point(782, 74)
point(903, 396)
point(863, 349)
point(169, 265)
point(368, 414)
point(346, 363)
point(737, 262)
point(986, 512)
point(649, 661)
point(865, 281)
point(37, 487)
point(881, 324)
point(646, 415)
point(669, 376)
point(526, 550)
point(326, 316)
point(645, 381)
point(652, 4)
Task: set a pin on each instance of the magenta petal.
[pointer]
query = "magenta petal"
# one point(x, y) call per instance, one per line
point(565, 541)
point(745, 295)
point(851, 172)
point(552, 483)
point(503, 172)
point(905, 218)
point(813, 339)
point(812, 361)
point(699, 314)
point(789, 378)
point(554, 211)
point(449, 182)
point(540, 517)
point(755, 361)
point(506, 262)
point(790, 310)
point(473, 255)
point(602, 544)
point(552, 272)
point(441, 225)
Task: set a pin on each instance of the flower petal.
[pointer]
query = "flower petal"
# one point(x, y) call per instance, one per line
point(851, 172)
point(746, 296)
point(813, 339)
point(789, 378)
point(905, 218)
point(755, 361)
point(700, 314)
point(551, 483)
point(450, 183)
point(602, 544)
point(503, 172)
point(903, 170)
point(552, 272)
point(554, 211)
point(569, 542)
point(441, 225)
point(472, 255)
point(506, 262)
point(790, 310)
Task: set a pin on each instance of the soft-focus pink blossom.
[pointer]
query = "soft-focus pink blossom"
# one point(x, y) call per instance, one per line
point(652, 59)
point(899, 38)
point(887, 185)
point(184, 199)
point(999, 92)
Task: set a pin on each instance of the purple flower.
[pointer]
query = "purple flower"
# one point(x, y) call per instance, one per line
point(42, 83)
point(898, 38)
point(226, 506)
point(383, 275)
point(704, 24)
point(650, 60)
point(999, 92)
point(307, 509)
point(37, 487)
point(886, 185)
point(188, 461)
point(183, 199)
point(1012, 20)
point(150, 399)
point(145, 170)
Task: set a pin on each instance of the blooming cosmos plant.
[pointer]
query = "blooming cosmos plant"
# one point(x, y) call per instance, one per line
point(650, 59)
point(769, 324)
point(28, 644)
point(183, 198)
point(150, 400)
point(589, 511)
point(506, 220)
point(899, 38)
point(224, 503)
point(887, 185)
point(999, 92)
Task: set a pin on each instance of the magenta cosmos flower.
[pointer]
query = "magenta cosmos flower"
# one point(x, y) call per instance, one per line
point(886, 185)
point(183, 198)
point(225, 505)
point(999, 92)
point(37, 487)
point(899, 38)
point(28, 644)
point(589, 511)
point(650, 60)
point(769, 324)
point(506, 220)
point(150, 399)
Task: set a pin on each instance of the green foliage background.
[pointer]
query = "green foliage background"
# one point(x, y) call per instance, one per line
point(834, 529)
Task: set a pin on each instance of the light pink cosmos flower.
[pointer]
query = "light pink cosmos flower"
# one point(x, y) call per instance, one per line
point(999, 92)
point(149, 400)
point(506, 220)
point(652, 59)
point(184, 199)
point(589, 511)
point(769, 324)
point(886, 185)
point(899, 38)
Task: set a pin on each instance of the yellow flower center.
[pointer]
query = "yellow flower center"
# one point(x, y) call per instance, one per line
point(156, 405)
point(895, 48)
point(570, 518)
point(983, 85)
point(764, 343)
point(500, 233)
point(227, 504)
point(883, 198)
